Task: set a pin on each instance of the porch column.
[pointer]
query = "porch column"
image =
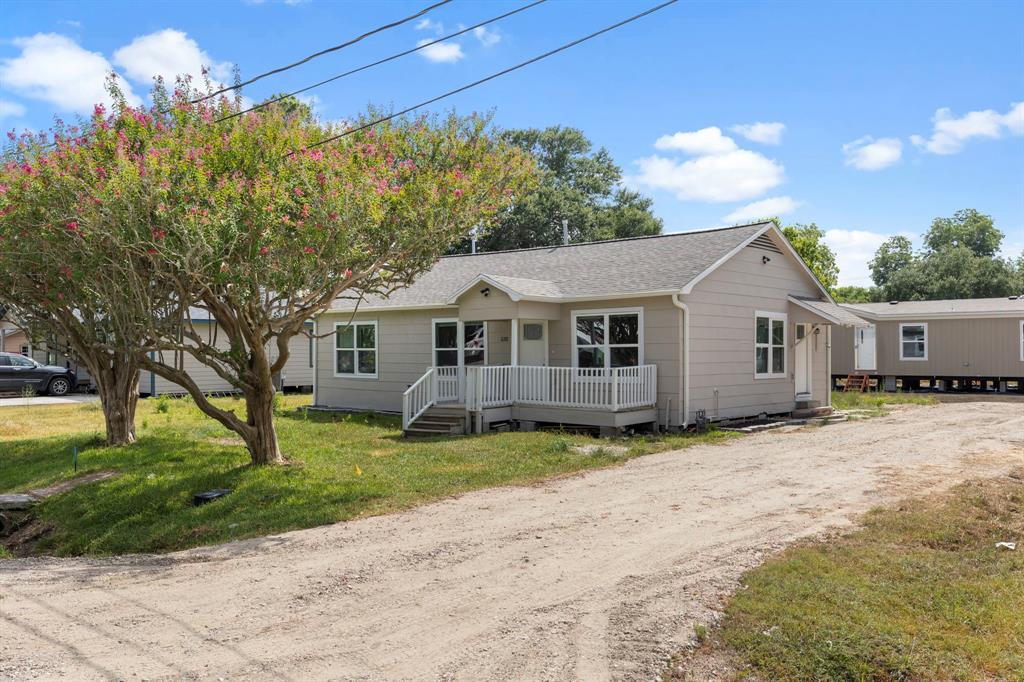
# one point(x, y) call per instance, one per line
point(515, 341)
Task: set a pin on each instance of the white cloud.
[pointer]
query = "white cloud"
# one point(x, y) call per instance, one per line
point(870, 154)
point(441, 52)
point(733, 176)
point(698, 143)
point(168, 53)
point(765, 133)
point(9, 109)
point(765, 208)
point(949, 134)
point(487, 38)
point(428, 25)
point(853, 249)
point(56, 69)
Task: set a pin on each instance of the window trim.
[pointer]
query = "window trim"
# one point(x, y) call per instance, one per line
point(772, 317)
point(356, 374)
point(607, 345)
point(460, 341)
point(899, 340)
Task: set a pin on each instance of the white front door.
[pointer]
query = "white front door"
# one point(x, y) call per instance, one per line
point(802, 373)
point(864, 348)
point(533, 342)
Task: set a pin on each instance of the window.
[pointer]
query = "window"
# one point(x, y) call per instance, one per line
point(355, 349)
point(446, 343)
point(25, 350)
point(21, 362)
point(607, 339)
point(769, 345)
point(914, 341)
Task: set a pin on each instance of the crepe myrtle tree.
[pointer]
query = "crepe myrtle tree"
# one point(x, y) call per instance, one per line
point(258, 224)
point(62, 196)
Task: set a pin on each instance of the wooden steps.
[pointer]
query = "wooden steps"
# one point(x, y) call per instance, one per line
point(439, 421)
point(856, 382)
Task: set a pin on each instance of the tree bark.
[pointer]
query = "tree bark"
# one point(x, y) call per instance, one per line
point(260, 434)
point(118, 387)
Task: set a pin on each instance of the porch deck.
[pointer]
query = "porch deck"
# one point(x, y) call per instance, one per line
point(613, 397)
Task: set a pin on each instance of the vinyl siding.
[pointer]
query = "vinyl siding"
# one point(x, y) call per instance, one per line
point(722, 308)
point(976, 347)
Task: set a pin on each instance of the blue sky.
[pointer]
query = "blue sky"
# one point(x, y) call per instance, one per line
point(880, 115)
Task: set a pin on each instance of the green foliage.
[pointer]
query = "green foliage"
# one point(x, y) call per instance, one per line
point(575, 183)
point(148, 507)
point(967, 228)
point(853, 294)
point(920, 594)
point(162, 404)
point(958, 261)
point(808, 240)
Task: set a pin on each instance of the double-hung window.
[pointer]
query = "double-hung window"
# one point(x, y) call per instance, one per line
point(607, 339)
point(769, 345)
point(913, 341)
point(355, 349)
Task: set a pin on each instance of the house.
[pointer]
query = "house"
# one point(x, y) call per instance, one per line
point(650, 331)
point(954, 344)
point(296, 376)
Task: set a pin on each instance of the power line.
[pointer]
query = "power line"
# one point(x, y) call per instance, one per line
point(510, 69)
point(323, 52)
point(381, 61)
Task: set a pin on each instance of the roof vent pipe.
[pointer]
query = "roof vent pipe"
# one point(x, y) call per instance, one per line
point(565, 231)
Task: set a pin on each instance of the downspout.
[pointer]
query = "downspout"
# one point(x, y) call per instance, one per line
point(828, 363)
point(684, 360)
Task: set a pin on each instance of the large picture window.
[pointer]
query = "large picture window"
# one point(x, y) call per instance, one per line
point(607, 339)
point(355, 349)
point(914, 341)
point(769, 345)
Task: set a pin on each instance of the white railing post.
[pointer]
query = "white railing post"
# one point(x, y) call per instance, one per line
point(615, 389)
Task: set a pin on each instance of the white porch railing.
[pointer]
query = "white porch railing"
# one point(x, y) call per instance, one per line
point(418, 398)
point(621, 388)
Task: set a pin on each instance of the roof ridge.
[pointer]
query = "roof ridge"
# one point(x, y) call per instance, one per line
point(610, 241)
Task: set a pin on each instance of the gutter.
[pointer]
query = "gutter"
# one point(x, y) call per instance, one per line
point(684, 360)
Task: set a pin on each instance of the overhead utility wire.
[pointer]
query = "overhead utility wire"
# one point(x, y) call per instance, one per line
point(322, 52)
point(485, 79)
point(380, 61)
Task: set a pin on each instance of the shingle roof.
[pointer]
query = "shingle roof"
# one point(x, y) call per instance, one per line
point(593, 270)
point(830, 311)
point(965, 306)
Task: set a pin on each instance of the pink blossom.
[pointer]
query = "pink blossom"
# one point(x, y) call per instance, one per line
point(308, 249)
point(298, 191)
point(99, 110)
point(458, 193)
point(73, 226)
point(264, 250)
point(66, 271)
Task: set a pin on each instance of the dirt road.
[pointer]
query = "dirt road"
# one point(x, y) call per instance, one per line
point(598, 576)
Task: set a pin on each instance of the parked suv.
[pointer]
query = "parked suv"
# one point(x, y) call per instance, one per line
point(18, 371)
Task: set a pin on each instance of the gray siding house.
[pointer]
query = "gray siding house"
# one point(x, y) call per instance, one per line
point(724, 323)
point(936, 344)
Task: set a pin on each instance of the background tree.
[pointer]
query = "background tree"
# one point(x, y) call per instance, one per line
point(576, 183)
point(253, 224)
point(809, 242)
point(895, 254)
point(853, 294)
point(967, 228)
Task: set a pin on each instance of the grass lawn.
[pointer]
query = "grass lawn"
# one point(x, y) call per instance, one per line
point(343, 466)
point(875, 403)
point(920, 593)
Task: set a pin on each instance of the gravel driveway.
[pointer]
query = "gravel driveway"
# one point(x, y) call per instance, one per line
point(591, 577)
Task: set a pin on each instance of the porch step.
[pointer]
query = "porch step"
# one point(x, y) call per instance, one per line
point(439, 421)
point(810, 412)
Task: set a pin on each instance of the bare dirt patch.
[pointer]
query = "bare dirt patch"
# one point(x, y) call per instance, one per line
point(594, 577)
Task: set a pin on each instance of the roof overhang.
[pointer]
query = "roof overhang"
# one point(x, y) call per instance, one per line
point(949, 315)
point(830, 312)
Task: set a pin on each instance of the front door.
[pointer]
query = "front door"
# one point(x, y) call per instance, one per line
point(802, 353)
point(533, 342)
point(864, 348)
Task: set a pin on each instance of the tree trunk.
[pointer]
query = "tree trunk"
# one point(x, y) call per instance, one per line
point(261, 435)
point(118, 386)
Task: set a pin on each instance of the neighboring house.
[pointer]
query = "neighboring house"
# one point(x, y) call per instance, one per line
point(721, 323)
point(297, 374)
point(955, 344)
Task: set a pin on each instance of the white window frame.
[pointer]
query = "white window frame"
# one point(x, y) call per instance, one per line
point(355, 373)
point(772, 317)
point(607, 345)
point(460, 341)
point(904, 358)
